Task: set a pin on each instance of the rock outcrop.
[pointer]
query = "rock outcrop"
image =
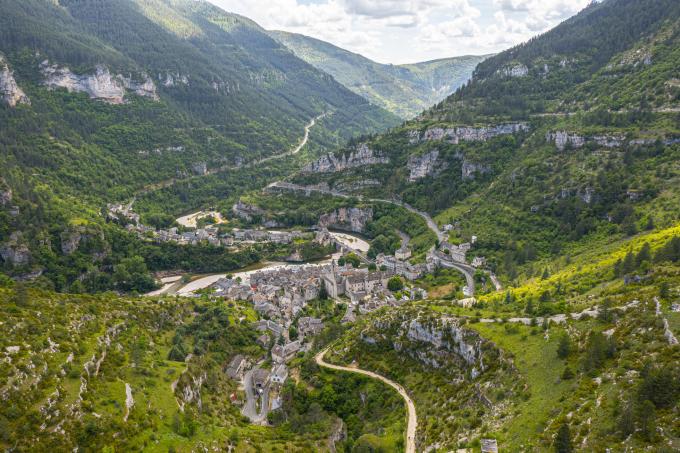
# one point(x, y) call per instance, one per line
point(437, 342)
point(5, 193)
point(423, 165)
point(76, 236)
point(15, 251)
point(466, 133)
point(564, 140)
point(101, 85)
point(246, 211)
point(469, 169)
point(10, 93)
point(170, 80)
point(514, 70)
point(363, 155)
point(353, 219)
point(200, 168)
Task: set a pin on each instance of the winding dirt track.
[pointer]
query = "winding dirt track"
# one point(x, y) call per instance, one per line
point(412, 419)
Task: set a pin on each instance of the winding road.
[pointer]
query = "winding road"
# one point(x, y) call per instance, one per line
point(297, 149)
point(412, 418)
point(467, 270)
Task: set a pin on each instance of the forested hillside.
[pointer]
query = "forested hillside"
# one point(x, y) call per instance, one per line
point(103, 100)
point(554, 144)
point(405, 90)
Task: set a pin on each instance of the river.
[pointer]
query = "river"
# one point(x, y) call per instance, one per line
point(175, 287)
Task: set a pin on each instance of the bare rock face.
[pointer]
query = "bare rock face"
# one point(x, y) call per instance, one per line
point(246, 211)
point(5, 193)
point(515, 70)
point(353, 219)
point(15, 251)
point(422, 166)
point(469, 169)
point(170, 80)
point(564, 139)
point(466, 133)
point(101, 85)
point(10, 93)
point(363, 155)
point(70, 240)
point(200, 168)
point(90, 238)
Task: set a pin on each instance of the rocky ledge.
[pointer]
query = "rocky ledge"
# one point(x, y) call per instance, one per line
point(10, 93)
point(100, 85)
point(571, 140)
point(465, 133)
point(330, 163)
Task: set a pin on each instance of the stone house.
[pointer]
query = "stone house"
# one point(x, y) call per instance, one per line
point(260, 379)
point(237, 367)
point(309, 326)
point(282, 354)
point(279, 374)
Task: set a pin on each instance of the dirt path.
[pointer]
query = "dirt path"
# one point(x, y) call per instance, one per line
point(412, 419)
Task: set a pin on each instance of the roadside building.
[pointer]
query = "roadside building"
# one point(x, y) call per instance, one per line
point(237, 367)
point(279, 374)
point(260, 379)
point(282, 354)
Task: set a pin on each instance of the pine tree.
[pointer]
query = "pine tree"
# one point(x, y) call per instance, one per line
point(628, 263)
point(563, 440)
point(564, 346)
point(645, 254)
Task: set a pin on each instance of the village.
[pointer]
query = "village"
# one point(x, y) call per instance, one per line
point(209, 234)
point(281, 294)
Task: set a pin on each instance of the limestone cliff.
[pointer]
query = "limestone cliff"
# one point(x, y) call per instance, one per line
point(353, 219)
point(465, 133)
point(5, 192)
point(514, 70)
point(362, 155)
point(423, 165)
point(15, 251)
point(564, 140)
point(100, 85)
point(10, 93)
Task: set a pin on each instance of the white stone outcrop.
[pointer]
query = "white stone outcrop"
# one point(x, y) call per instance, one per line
point(564, 139)
point(466, 133)
point(353, 219)
point(423, 165)
point(129, 401)
point(15, 251)
point(469, 169)
point(173, 79)
point(5, 193)
point(10, 93)
point(363, 155)
point(246, 211)
point(101, 85)
point(514, 70)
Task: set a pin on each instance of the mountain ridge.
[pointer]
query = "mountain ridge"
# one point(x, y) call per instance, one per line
point(404, 89)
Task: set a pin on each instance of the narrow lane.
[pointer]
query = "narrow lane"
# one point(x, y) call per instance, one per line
point(412, 418)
